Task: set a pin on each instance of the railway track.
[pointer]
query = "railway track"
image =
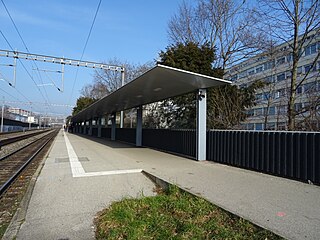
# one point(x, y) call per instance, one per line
point(6, 139)
point(13, 164)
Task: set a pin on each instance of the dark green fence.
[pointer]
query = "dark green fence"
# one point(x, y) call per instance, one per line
point(293, 155)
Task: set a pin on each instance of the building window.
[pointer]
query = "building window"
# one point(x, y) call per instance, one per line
point(281, 77)
point(310, 87)
point(259, 69)
point(242, 74)
point(297, 107)
point(250, 113)
point(267, 96)
point(259, 126)
point(250, 72)
point(281, 61)
point(259, 96)
point(269, 65)
point(281, 126)
point(282, 110)
point(282, 92)
point(299, 70)
point(311, 49)
point(258, 111)
point(289, 57)
point(288, 74)
point(272, 111)
point(310, 68)
point(250, 126)
point(269, 79)
point(233, 78)
point(270, 126)
point(299, 90)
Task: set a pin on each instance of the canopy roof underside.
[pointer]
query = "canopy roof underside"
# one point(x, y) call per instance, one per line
point(159, 83)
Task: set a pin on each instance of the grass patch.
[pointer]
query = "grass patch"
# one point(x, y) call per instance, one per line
point(3, 228)
point(173, 214)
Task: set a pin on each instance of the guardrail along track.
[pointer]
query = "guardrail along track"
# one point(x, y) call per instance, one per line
point(12, 165)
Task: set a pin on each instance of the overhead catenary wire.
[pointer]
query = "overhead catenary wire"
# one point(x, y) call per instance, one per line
point(41, 103)
point(25, 45)
point(23, 67)
point(84, 48)
point(10, 95)
point(6, 39)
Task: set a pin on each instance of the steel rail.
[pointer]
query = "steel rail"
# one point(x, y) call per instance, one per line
point(6, 185)
point(7, 141)
point(19, 149)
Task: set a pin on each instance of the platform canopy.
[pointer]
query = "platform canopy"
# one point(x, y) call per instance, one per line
point(159, 83)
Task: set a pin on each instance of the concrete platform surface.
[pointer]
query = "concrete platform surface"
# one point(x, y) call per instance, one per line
point(82, 175)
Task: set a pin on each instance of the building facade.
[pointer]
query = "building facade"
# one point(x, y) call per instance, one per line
point(274, 68)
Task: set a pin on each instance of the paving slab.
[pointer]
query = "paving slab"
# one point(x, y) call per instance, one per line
point(63, 207)
point(62, 195)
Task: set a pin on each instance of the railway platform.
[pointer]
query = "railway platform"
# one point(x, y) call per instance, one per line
point(83, 175)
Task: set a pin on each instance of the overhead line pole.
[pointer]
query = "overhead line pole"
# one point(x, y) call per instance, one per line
point(66, 61)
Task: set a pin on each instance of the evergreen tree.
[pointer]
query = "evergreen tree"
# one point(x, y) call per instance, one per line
point(82, 103)
point(180, 112)
point(227, 104)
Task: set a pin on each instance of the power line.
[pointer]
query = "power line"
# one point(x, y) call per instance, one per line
point(15, 26)
point(9, 94)
point(84, 48)
point(40, 103)
point(14, 87)
point(6, 39)
point(26, 71)
point(94, 19)
point(25, 45)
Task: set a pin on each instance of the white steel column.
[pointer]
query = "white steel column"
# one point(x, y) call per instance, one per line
point(201, 124)
point(139, 127)
point(121, 113)
point(113, 127)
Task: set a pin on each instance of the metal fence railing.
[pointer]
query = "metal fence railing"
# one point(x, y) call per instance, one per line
point(177, 141)
point(293, 155)
point(126, 135)
point(106, 133)
point(94, 131)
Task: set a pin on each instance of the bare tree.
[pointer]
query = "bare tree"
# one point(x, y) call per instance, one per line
point(96, 90)
point(297, 23)
point(112, 79)
point(224, 24)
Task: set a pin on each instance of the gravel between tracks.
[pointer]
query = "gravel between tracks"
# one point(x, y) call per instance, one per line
point(7, 149)
point(10, 201)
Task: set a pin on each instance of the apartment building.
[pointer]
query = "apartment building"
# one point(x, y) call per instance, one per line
point(274, 68)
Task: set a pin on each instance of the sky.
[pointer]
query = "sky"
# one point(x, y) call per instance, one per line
point(132, 31)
